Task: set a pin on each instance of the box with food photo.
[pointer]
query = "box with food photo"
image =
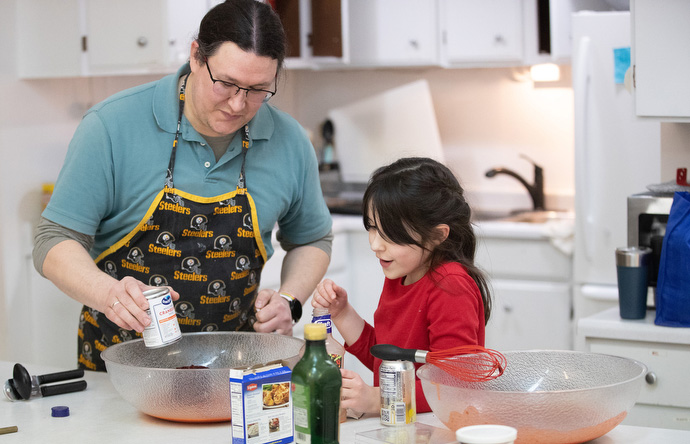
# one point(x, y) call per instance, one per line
point(261, 405)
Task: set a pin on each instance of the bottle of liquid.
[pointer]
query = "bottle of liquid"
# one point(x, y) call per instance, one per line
point(316, 384)
point(333, 347)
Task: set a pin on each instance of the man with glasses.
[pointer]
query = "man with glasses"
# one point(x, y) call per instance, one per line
point(180, 183)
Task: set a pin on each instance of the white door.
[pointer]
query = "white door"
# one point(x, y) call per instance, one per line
point(616, 154)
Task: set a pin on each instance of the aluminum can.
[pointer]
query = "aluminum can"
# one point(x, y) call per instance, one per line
point(396, 380)
point(164, 328)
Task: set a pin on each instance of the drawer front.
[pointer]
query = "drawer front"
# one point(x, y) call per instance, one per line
point(530, 259)
point(658, 416)
point(668, 362)
point(517, 318)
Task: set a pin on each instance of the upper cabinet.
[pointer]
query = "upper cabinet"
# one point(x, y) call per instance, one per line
point(392, 32)
point(661, 63)
point(104, 37)
point(481, 31)
point(101, 37)
point(315, 31)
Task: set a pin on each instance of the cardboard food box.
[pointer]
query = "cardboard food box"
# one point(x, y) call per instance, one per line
point(261, 402)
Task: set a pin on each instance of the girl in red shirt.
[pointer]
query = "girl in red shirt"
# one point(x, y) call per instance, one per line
point(434, 297)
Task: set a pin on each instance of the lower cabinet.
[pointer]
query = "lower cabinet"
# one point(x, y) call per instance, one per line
point(664, 400)
point(529, 315)
point(531, 287)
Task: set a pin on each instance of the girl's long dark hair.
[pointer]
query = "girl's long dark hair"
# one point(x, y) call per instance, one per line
point(415, 195)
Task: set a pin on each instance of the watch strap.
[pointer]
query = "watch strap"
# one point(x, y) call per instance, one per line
point(295, 305)
point(288, 297)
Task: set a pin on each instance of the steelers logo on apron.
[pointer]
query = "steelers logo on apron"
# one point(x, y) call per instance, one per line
point(208, 249)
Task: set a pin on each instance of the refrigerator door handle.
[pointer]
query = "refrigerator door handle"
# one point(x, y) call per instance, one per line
point(582, 94)
point(600, 292)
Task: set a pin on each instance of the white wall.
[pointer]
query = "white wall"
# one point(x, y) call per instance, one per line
point(675, 149)
point(486, 118)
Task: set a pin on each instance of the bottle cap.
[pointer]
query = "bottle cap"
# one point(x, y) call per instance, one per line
point(59, 411)
point(486, 434)
point(314, 332)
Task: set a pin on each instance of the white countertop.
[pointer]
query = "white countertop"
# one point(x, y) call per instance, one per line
point(559, 229)
point(99, 414)
point(608, 324)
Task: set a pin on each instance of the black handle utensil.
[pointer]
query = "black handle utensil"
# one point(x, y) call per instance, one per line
point(23, 386)
point(466, 362)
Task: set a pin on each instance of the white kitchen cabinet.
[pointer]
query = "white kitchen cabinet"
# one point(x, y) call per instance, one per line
point(661, 62)
point(117, 40)
point(359, 33)
point(529, 315)
point(665, 398)
point(100, 37)
point(392, 32)
point(481, 32)
point(531, 287)
point(315, 31)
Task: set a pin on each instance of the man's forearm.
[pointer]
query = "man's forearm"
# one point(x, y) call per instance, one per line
point(303, 268)
point(70, 267)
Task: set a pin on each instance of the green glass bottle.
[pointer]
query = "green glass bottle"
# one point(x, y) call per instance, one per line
point(316, 382)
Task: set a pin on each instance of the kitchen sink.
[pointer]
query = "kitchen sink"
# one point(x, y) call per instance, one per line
point(539, 216)
point(523, 216)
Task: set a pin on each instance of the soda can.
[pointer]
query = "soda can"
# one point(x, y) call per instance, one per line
point(396, 380)
point(164, 328)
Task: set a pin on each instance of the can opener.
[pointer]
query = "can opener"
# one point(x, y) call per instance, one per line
point(23, 386)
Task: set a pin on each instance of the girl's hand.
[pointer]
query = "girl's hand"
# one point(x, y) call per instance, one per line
point(331, 296)
point(357, 395)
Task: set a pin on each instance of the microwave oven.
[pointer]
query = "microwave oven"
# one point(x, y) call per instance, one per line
point(647, 218)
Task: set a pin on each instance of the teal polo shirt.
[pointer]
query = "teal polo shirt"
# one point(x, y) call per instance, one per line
point(117, 160)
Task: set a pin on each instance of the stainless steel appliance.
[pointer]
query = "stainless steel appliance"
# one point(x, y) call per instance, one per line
point(647, 218)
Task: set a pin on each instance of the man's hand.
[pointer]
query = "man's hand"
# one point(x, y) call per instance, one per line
point(273, 313)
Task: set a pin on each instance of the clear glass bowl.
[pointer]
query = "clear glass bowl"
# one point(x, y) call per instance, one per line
point(548, 396)
point(150, 378)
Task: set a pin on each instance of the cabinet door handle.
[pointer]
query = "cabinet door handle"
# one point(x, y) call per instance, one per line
point(650, 377)
point(414, 44)
point(508, 308)
point(142, 41)
point(499, 39)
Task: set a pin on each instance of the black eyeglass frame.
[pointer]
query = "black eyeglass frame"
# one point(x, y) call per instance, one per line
point(269, 94)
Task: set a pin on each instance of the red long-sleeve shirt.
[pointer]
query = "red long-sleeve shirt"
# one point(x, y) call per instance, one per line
point(440, 311)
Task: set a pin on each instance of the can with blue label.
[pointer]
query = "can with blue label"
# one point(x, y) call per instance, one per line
point(164, 328)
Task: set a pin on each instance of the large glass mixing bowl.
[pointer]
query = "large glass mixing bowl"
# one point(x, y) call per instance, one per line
point(151, 379)
point(548, 396)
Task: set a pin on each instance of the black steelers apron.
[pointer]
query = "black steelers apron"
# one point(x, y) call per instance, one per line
point(208, 249)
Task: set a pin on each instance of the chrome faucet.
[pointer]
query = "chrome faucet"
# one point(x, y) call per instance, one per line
point(536, 190)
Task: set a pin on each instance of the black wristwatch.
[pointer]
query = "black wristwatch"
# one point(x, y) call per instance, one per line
point(295, 306)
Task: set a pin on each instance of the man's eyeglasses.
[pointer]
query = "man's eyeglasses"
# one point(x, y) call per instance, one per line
point(228, 89)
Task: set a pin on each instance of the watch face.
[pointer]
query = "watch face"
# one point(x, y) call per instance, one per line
point(296, 308)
